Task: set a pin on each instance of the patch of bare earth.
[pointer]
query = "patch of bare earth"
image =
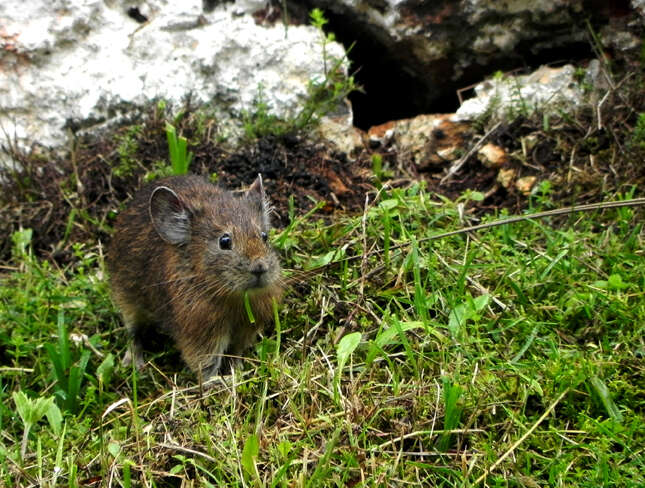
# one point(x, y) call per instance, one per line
point(74, 199)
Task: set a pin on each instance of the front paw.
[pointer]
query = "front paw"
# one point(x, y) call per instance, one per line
point(137, 356)
point(221, 373)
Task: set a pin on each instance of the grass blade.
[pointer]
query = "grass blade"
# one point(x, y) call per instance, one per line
point(602, 391)
point(250, 452)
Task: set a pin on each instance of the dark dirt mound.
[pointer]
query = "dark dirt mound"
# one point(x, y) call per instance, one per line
point(293, 168)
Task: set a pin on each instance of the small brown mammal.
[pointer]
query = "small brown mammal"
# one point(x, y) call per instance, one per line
point(182, 257)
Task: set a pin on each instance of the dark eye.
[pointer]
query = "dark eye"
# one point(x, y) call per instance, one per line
point(264, 236)
point(225, 242)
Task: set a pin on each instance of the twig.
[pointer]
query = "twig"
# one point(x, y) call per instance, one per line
point(612, 89)
point(27, 476)
point(461, 161)
point(518, 218)
point(8, 369)
point(540, 215)
point(431, 453)
point(425, 432)
point(179, 448)
point(521, 439)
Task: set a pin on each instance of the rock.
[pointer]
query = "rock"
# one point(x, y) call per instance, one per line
point(639, 5)
point(528, 143)
point(412, 56)
point(339, 130)
point(505, 177)
point(492, 156)
point(449, 153)
point(504, 97)
point(525, 184)
point(430, 140)
point(77, 64)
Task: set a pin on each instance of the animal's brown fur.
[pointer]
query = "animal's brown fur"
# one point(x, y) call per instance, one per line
point(193, 290)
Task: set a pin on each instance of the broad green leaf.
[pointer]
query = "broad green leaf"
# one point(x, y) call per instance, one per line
point(603, 393)
point(30, 410)
point(458, 317)
point(481, 302)
point(105, 369)
point(389, 336)
point(250, 453)
point(284, 448)
point(85, 358)
point(182, 144)
point(327, 258)
point(477, 196)
point(616, 282)
point(74, 387)
point(346, 347)
point(464, 312)
point(40, 408)
point(389, 204)
point(171, 137)
point(22, 405)
point(57, 362)
point(55, 418)
point(114, 448)
point(21, 240)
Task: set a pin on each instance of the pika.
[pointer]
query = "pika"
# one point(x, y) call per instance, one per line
point(183, 256)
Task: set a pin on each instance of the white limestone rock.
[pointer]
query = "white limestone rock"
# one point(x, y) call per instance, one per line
point(81, 63)
point(544, 89)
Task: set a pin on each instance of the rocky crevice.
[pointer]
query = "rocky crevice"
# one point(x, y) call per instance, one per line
point(411, 57)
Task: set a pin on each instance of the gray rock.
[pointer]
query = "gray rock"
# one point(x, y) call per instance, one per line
point(413, 55)
point(78, 64)
point(546, 89)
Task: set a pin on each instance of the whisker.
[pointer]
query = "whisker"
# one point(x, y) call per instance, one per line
point(184, 293)
point(176, 280)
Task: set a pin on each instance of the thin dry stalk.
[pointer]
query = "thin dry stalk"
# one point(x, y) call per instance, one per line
point(522, 438)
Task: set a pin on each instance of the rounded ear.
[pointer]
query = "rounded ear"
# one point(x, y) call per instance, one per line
point(256, 190)
point(169, 216)
point(255, 194)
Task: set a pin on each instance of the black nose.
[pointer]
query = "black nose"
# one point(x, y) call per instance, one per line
point(258, 269)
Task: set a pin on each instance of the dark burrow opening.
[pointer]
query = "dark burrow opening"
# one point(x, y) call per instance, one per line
point(396, 85)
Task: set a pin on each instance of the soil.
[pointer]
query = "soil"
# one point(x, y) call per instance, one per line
point(293, 168)
point(75, 199)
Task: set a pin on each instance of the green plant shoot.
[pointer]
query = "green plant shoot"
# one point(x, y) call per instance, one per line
point(180, 158)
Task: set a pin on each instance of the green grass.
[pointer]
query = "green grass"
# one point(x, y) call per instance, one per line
point(517, 349)
point(180, 157)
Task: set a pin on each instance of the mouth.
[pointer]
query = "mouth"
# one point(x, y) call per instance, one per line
point(257, 283)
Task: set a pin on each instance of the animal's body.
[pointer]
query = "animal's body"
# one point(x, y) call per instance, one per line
point(183, 255)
